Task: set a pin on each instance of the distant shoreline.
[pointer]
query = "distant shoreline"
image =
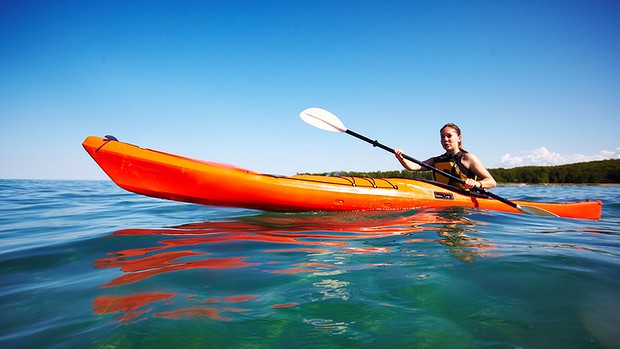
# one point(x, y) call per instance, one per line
point(599, 173)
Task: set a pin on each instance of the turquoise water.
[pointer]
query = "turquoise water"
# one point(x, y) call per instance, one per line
point(84, 264)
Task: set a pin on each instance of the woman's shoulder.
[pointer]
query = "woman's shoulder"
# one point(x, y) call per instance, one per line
point(469, 157)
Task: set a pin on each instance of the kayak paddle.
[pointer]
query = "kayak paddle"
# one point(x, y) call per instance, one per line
point(325, 120)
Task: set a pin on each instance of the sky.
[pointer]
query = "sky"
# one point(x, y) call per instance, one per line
point(531, 82)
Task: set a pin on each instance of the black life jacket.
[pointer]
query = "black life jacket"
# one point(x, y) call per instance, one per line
point(452, 164)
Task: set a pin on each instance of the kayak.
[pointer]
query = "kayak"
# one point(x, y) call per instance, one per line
point(167, 176)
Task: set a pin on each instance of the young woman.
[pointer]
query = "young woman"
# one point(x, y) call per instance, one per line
point(455, 161)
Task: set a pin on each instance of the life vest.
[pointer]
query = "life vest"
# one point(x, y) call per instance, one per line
point(452, 164)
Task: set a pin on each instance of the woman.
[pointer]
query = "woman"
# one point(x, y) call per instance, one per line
point(455, 161)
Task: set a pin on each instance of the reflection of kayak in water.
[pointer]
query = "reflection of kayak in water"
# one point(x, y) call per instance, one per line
point(181, 247)
point(172, 177)
point(301, 229)
point(314, 245)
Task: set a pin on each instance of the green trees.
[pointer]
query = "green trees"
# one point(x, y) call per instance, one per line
point(603, 172)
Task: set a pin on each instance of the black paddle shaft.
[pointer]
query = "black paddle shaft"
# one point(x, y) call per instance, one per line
point(376, 143)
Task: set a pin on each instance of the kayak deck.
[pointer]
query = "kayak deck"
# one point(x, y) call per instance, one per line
point(167, 176)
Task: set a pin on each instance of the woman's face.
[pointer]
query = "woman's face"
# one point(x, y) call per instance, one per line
point(450, 140)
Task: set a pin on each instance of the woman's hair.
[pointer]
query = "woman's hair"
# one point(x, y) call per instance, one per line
point(455, 128)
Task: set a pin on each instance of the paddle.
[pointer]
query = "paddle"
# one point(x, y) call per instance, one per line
point(325, 120)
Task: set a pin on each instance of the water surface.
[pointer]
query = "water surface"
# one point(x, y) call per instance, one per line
point(85, 264)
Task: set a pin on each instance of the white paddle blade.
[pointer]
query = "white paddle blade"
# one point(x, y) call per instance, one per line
point(535, 211)
point(322, 119)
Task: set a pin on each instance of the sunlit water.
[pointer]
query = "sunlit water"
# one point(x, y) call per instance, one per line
point(84, 264)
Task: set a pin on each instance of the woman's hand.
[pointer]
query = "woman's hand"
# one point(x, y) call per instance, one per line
point(470, 183)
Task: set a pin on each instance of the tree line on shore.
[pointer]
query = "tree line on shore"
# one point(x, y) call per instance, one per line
point(598, 172)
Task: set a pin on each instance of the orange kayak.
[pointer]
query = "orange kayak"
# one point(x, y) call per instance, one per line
point(167, 176)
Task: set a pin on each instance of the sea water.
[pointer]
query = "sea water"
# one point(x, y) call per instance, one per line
point(84, 264)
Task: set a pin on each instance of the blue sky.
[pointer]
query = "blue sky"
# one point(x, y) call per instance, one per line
point(528, 82)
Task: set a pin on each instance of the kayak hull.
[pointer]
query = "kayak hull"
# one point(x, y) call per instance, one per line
point(167, 176)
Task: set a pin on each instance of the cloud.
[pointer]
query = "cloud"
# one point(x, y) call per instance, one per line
point(543, 157)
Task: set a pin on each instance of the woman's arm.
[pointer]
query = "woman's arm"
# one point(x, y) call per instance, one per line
point(411, 166)
point(485, 179)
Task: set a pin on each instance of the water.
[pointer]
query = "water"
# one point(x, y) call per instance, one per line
point(84, 264)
